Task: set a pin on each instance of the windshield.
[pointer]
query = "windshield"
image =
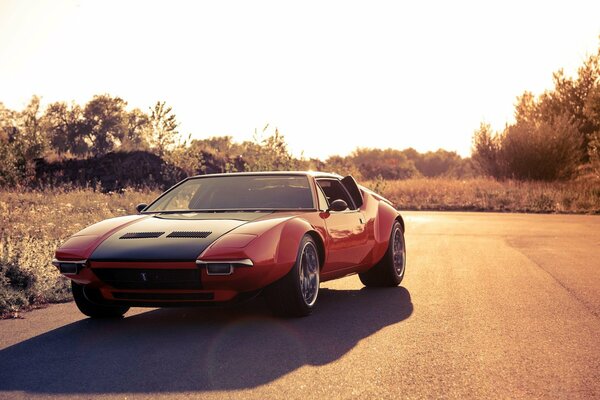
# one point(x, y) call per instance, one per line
point(237, 192)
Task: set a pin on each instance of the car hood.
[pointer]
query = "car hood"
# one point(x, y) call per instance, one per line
point(169, 237)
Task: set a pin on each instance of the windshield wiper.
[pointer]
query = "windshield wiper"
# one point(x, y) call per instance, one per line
point(208, 211)
point(175, 212)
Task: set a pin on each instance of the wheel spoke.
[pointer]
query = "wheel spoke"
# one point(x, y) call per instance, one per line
point(309, 273)
point(398, 252)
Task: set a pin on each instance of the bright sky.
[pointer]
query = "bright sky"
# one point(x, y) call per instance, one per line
point(331, 75)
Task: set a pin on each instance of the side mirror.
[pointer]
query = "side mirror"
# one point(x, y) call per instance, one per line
point(337, 205)
point(140, 207)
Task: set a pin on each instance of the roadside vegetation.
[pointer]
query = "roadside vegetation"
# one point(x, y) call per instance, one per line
point(555, 136)
point(33, 224)
point(65, 166)
point(487, 194)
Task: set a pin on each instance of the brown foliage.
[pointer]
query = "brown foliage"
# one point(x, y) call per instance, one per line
point(554, 136)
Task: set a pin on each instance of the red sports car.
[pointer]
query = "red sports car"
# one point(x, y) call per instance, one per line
point(218, 239)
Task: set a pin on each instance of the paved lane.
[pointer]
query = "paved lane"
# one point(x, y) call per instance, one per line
point(493, 306)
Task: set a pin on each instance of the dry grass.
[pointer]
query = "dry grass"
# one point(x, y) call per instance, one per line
point(34, 223)
point(483, 194)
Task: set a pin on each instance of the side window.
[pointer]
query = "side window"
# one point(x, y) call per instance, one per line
point(334, 190)
point(323, 203)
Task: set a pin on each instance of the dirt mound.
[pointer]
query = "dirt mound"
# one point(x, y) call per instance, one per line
point(111, 172)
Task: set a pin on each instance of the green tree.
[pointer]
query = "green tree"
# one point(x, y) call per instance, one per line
point(529, 150)
point(342, 165)
point(527, 108)
point(163, 127)
point(594, 154)
point(21, 141)
point(569, 98)
point(138, 131)
point(438, 163)
point(592, 111)
point(486, 151)
point(8, 164)
point(542, 150)
point(65, 127)
point(217, 154)
point(383, 163)
point(32, 139)
point(554, 133)
point(105, 123)
point(268, 154)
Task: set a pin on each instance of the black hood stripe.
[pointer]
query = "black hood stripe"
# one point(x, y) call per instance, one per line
point(187, 238)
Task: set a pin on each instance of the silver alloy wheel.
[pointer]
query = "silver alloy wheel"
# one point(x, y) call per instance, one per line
point(309, 273)
point(398, 252)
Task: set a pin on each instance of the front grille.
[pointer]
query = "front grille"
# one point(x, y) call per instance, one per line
point(137, 278)
point(163, 296)
point(189, 234)
point(141, 235)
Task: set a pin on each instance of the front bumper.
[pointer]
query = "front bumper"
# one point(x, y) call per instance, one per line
point(168, 283)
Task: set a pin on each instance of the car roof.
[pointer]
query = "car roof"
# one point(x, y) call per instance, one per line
point(316, 174)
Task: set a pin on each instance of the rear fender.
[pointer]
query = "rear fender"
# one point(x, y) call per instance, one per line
point(386, 216)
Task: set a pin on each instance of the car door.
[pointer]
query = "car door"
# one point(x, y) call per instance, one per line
point(348, 247)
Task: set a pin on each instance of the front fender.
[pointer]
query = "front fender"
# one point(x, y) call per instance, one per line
point(273, 251)
point(81, 245)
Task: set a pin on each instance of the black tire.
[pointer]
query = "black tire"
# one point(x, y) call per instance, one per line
point(390, 270)
point(92, 309)
point(295, 295)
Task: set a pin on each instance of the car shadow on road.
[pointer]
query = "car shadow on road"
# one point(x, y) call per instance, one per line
point(191, 349)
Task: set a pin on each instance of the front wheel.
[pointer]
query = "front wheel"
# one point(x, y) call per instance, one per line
point(295, 295)
point(390, 270)
point(92, 309)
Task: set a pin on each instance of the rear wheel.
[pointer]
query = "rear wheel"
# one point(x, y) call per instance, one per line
point(295, 295)
point(390, 270)
point(92, 309)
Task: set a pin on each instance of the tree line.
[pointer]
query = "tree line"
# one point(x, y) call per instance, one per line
point(555, 136)
point(62, 132)
point(67, 130)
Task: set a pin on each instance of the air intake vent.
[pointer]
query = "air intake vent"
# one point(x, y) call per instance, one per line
point(189, 234)
point(141, 235)
point(136, 278)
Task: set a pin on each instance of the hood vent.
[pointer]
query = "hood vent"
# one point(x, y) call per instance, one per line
point(141, 235)
point(189, 234)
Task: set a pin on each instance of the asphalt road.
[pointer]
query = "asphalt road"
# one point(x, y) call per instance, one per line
point(492, 306)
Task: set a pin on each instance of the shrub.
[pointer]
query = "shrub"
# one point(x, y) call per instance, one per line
point(541, 150)
point(26, 275)
point(28, 242)
point(529, 150)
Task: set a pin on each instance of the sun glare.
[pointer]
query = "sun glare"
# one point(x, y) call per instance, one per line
point(331, 76)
